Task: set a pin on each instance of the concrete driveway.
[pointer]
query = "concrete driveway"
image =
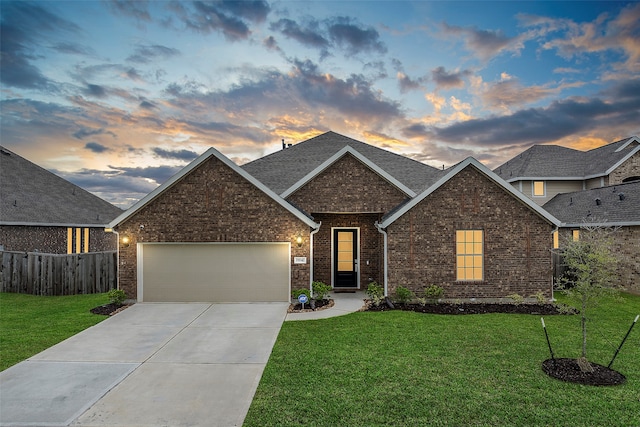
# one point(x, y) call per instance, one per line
point(150, 365)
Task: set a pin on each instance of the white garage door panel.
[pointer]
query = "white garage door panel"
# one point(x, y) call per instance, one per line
point(215, 272)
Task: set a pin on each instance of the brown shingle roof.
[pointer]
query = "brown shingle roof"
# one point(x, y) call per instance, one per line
point(30, 194)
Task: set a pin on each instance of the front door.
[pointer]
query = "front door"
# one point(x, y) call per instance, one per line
point(345, 258)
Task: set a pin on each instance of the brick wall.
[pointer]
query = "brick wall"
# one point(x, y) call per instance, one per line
point(625, 246)
point(347, 186)
point(517, 242)
point(212, 204)
point(630, 168)
point(52, 240)
point(371, 246)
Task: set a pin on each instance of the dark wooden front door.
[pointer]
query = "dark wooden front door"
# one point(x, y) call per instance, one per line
point(345, 258)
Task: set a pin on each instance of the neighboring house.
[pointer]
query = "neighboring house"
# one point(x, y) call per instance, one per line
point(336, 210)
point(41, 212)
point(543, 171)
point(613, 206)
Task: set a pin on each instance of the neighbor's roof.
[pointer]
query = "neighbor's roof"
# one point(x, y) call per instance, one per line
point(284, 169)
point(619, 205)
point(555, 162)
point(31, 195)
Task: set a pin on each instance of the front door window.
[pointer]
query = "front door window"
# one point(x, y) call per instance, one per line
point(345, 258)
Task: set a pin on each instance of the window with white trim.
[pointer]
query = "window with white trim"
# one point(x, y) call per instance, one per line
point(538, 189)
point(469, 255)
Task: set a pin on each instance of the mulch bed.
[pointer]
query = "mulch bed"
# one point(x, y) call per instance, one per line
point(320, 305)
point(569, 370)
point(108, 309)
point(476, 308)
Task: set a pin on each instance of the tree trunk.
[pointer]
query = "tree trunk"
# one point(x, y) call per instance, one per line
point(584, 327)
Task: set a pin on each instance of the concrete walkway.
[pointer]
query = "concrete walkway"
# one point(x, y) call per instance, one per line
point(344, 303)
point(150, 365)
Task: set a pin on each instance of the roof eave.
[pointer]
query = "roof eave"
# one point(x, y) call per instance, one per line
point(52, 224)
point(191, 166)
point(337, 156)
point(489, 174)
point(600, 224)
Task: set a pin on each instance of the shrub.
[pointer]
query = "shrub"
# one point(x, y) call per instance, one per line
point(517, 299)
point(320, 290)
point(116, 296)
point(402, 295)
point(297, 292)
point(539, 296)
point(433, 292)
point(375, 293)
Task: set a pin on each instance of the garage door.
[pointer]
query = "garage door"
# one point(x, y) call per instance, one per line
point(214, 272)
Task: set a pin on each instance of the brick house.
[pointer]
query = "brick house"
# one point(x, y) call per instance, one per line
point(336, 210)
point(41, 212)
point(543, 171)
point(615, 206)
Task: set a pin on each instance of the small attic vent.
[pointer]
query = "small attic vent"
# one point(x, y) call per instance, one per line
point(621, 195)
point(598, 202)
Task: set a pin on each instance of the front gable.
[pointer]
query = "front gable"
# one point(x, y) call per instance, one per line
point(348, 185)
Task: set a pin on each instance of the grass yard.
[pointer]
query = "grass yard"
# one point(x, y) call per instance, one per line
point(30, 324)
point(410, 369)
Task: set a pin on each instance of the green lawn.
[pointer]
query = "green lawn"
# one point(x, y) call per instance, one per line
point(30, 324)
point(410, 369)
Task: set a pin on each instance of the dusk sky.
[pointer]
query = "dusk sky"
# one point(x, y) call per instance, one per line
point(117, 96)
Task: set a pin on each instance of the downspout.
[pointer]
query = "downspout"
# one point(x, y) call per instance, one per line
point(557, 230)
point(384, 233)
point(117, 257)
point(314, 231)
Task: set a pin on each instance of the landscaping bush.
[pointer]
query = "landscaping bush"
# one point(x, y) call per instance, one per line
point(375, 292)
point(297, 292)
point(116, 296)
point(402, 295)
point(320, 290)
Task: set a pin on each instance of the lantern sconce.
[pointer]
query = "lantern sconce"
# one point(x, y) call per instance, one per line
point(125, 241)
point(299, 240)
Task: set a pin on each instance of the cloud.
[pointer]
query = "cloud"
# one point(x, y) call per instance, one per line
point(227, 17)
point(95, 91)
point(72, 48)
point(600, 35)
point(407, 84)
point(137, 9)
point(448, 80)
point(21, 26)
point(84, 132)
point(485, 44)
point(341, 32)
point(175, 154)
point(95, 147)
point(145, 54)
point(353, 37)
point(308, 35)
point(616, 108)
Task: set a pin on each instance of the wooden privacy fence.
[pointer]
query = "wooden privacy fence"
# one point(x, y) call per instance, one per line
point(51, 274)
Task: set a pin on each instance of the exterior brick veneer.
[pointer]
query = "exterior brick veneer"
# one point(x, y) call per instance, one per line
point(630, 168)
point(347, 186)
point(371, 246)
point(517, 242)
point(625, 246)
point(51, 240)
point(212, 203)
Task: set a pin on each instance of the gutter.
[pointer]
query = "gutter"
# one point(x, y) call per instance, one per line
point(314, 231)
point(117, 258)
point(384, 233)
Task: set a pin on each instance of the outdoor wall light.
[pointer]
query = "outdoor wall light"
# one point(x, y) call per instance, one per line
point(299, 240)
point(125, 241)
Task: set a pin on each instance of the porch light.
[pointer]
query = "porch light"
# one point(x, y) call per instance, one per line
point(299, 240)
point(125, 241)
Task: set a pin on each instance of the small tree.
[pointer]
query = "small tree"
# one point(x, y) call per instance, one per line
point(590, 271)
